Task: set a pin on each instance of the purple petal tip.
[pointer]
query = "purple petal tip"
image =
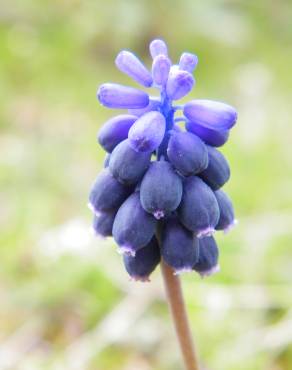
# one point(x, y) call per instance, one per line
point(158, 214)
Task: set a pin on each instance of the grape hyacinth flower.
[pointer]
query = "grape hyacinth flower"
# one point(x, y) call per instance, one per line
point(159, 194)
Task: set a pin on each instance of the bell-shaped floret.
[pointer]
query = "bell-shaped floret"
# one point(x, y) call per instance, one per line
point(226, 219)
point(198, 211)
point(107, 193)
point(212, 114)
point(218, 171)
point(147, 132)
point(127, 165)
point(122, 97)
point(187, 153)
point(161, 189)
point(140, 266)
point(115, 130)
point(102, 224)
point(129, 64)
point(179, 247)
point(133, 227)
point(208, 257)
point(209, 136)
point(179, 83)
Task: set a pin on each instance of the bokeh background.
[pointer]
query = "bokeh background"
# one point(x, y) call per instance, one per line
point(66, 301)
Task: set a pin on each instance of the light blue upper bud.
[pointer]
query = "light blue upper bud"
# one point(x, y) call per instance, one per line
point(179, 84)
point(188, 62)
point(122, 97)
point(212, 114)
point(129, 64)
point(147, 132)
point(157, 47)
point(160, 69)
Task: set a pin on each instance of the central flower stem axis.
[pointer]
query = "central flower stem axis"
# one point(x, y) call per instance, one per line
point(167, 110)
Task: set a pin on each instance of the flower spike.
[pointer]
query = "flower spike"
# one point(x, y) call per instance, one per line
point(162, 172)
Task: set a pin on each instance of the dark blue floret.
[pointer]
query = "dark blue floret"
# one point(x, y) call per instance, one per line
point(218, 171)
point(198, 211)
point(115, 130)
point(133, 227)
point(187, 153)
point(179, 247)
point(161, 189)
point(102, 223)
point(127, 165)
point(211, 137)
point(162, 173)
point(107, 193)
point(226, 219)
point(140, 266)
point(208, 257)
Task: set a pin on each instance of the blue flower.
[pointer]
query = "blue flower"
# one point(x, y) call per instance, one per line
point(162, 169)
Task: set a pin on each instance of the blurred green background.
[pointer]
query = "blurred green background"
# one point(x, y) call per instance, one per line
point(66, 301)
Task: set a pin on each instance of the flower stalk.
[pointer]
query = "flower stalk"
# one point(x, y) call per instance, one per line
point(179, 315)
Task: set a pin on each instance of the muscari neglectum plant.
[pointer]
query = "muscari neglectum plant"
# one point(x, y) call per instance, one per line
point(159, 194)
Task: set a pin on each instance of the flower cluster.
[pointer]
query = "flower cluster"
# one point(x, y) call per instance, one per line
point(162, 171)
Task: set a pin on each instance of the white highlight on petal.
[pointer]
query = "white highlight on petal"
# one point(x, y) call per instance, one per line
point(209, 231)
point(158, 214)
point(142, 279)
point(127, 250)
point(210, 272)
point(230, 226)
point(183, 270)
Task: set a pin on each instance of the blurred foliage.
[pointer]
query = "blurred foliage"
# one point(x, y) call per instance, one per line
point(59, 288)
